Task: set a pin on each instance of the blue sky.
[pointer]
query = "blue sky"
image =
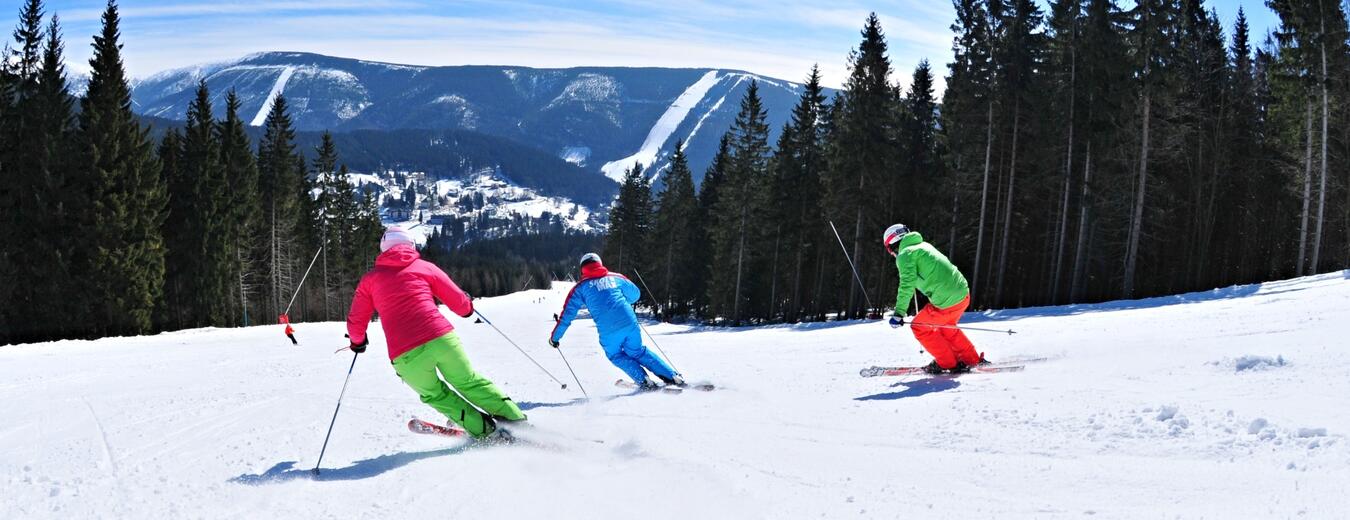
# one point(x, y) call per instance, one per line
point(775, 38)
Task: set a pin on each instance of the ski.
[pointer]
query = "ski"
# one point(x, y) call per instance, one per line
point(419, 426)
point(910, 371)
point(704, 387)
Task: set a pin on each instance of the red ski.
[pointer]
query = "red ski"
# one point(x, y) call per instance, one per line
point(914, 371)
point(419, 426)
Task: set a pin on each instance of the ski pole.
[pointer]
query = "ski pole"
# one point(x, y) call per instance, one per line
point(856, 276)
point(522, 351)
point(335, 412)
point(285, 317)
point(649, 333)
point(574, 374)
point(1008, 332)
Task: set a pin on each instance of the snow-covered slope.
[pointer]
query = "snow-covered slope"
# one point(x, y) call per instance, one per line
point(605, 118)
point(1223, 404)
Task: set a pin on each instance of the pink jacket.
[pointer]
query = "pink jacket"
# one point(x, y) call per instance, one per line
point(400, 288)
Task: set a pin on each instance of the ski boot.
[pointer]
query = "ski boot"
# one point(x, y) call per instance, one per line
point(984, 361)
point(675, 380)
point(495, 433)
point(648, 386)
point(960, 368)
point(933, 368)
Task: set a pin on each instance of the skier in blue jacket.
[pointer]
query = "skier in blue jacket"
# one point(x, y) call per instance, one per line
point(610, 298)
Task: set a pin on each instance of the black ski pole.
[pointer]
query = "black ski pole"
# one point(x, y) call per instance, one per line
point(522, 351)
point(962, 327)
point(574, 374)
point(649, 333)
point(335, 413)
point(856, 276)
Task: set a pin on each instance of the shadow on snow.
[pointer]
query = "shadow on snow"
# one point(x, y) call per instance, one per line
point(916, 388)
point(361, 469)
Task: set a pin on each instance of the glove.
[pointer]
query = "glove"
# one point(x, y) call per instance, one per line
point(554, 343)
point(360, 347)
point(897, 322)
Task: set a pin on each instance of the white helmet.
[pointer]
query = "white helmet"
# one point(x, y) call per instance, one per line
point(588, 258)
point(892, 237)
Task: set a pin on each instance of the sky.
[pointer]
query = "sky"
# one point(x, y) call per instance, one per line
point(777, 38)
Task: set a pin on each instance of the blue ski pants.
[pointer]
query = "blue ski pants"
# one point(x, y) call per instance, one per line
point(624, 348)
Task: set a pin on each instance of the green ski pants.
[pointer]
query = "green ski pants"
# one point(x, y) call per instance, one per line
point(417, 368)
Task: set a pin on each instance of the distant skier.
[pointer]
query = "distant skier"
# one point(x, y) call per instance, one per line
point(610, 298)
point(925, 268)
point(401, 288)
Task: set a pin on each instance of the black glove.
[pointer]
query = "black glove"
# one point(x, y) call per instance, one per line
point(553, 343)
point(360, 347)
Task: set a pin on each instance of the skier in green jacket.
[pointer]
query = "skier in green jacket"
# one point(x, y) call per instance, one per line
point(926, 269)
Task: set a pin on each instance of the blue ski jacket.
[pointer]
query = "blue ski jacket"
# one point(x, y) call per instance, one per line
point(610, 298)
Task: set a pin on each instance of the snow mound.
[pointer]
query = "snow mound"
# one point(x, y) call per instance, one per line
point(1251, 363)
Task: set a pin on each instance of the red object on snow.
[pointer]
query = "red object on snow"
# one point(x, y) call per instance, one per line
point(947, 345)
point(290, 331)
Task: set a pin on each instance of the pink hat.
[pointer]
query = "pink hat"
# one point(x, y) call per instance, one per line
point(394, 236)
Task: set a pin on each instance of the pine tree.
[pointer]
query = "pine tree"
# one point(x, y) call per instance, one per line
point(123, 251)
point(243, 220)
point(739, 236)
point(673, 238)
point(862, 156)
point(701, 255)
point(41, 143)
point(796, 191)
point(197, 232)
point(175, 309)
point(629, 224)
point(280, 184)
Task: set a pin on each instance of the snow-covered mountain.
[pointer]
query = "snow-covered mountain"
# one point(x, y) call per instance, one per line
point(603, 118)
point(1219, 404)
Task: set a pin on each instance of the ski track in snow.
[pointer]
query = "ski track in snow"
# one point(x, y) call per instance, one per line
point(665, 125)
point(277, 88)
point(739, 78)
point(1143, 409)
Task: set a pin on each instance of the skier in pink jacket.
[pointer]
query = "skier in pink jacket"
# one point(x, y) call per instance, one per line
point(401, 288)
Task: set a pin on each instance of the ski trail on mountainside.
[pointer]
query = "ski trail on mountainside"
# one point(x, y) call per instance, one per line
point(277, 87)
point(664, 126)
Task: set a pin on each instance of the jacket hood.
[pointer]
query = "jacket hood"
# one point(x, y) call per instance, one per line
point(593, 270)
point(913, 238)
point(400, 255)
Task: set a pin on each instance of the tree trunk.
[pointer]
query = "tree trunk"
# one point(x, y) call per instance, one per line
point(740, 259)
point(1007, 206)
point(1061, 235)
point(1084, 212)
point(857, 251)
point(1137, 220)
point(1307, 195)
point(984, 197)
point(773, 283)
point(1322, 183)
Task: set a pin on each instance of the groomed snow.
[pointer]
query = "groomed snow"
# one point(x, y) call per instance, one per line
point(660, 132)
point(1144, 410)
point(277, 88)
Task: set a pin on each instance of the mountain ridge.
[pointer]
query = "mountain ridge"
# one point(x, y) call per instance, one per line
point(596, 117)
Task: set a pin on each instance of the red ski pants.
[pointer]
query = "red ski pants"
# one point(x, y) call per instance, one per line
point(947, 344)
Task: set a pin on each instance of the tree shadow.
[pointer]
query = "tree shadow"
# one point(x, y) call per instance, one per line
point(361, 469)
point(915, 388)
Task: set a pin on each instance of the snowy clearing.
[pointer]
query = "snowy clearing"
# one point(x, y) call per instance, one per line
point(1222, 404)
